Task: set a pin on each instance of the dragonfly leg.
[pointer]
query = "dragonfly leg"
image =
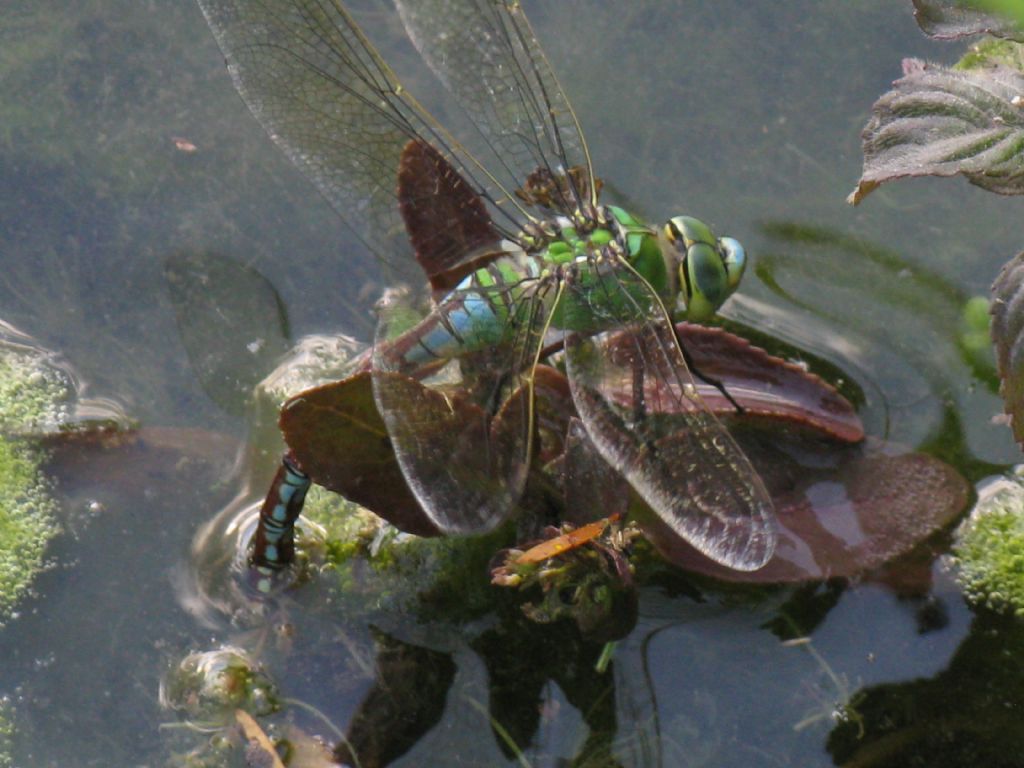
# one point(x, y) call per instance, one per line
point(709, 380)
point(274, 542)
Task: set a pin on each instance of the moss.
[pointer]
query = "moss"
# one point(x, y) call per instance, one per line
point(27, 523)
point(33, 400)
point(377, 567)
point(6, 734)
point(988, 554)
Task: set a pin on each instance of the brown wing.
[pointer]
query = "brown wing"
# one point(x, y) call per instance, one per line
point(448, 225)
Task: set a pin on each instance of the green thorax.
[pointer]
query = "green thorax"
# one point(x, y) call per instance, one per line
point(638, 241)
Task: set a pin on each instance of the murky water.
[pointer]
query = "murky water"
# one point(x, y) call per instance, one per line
point(125, 156)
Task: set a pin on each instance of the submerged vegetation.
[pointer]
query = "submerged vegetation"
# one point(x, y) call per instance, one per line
point(33, 399)
point(27, 523)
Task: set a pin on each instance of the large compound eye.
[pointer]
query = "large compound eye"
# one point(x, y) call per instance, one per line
point(735, 261)
point(688, 230)
point(704, 280)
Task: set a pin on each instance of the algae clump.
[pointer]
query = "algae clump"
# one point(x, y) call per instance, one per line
point(6, 733)
point(33, 398)
point(377, 568)
point(988, 554)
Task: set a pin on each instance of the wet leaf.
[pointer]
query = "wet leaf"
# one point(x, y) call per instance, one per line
point(231, 322)
point(1007, 328)
point(567, 541)
point(339, 439)
point(260, 750)
point(942, 122)
point(765, 386)
point(951, 19)
point(842, 510)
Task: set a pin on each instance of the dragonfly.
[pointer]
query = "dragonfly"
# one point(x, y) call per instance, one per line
point(521, 256)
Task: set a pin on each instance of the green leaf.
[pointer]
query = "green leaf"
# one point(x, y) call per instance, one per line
point(941, 122)
point(951, 19)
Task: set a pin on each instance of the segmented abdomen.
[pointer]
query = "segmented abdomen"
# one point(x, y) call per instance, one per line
point(482, 311)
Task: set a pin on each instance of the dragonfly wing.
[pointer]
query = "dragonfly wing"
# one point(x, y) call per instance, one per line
point(448, 225)
point(640, 406)
point(330, 102)
point(461, 426)
point(488, 57)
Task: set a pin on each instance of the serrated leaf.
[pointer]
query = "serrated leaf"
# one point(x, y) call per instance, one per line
point(941, 122)
point(951, 19)
point(1008, 338)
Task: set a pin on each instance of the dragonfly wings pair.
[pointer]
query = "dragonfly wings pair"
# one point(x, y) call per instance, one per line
point(517, 247)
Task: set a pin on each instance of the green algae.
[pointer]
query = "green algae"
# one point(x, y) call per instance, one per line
point(379, 568)
point(988, 554)
point(33, 400)
point(6, 733)
point(27, 523)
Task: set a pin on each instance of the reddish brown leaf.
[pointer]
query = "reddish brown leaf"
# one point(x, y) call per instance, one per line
point(764, 385)
point(841, 510)
point(339, 439)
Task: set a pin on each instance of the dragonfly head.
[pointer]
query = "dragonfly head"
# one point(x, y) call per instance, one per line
point(709, 267)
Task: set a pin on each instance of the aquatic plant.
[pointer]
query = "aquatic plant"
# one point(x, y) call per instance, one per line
point(6, 733)
point(207, 688)
point(33, 398)
point(963, 120)
point(988, 555)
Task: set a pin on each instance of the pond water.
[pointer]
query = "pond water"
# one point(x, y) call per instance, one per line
point(126, 156)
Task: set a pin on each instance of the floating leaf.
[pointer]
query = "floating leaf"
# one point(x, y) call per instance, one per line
point(1007, 327)
point(842, 510)
point(444, 217)
point(339, 439)
point(765, 386)
point(941, 122)
point(951, 19)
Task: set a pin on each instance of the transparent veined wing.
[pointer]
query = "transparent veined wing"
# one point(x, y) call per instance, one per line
point(462, 428)
point(330, 102)
point(640, 406)
point(486, 54)
point(334, 106)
